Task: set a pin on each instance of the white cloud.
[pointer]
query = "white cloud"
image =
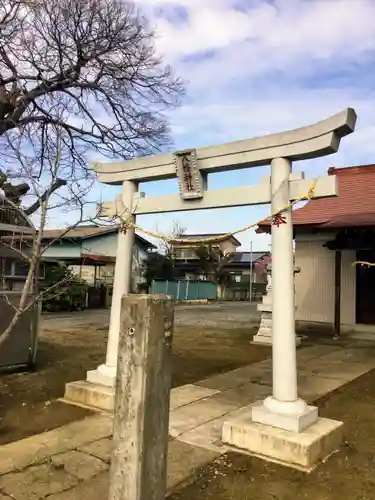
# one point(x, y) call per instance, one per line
point(247, 64)
point(282, 29)
point(262, 66)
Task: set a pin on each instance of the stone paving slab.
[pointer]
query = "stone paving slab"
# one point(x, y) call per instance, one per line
point(95, 489)
point(315, 351)
point(313, 387)
point(181, 396)
point(365, 356)
point(239, 376)
point(340, 370)
point(79, 464)
point(20, 454)
point(207, 435)
point(100, 449)
point(183, 461)
point(36, 482)
point(243, 395)
point(188, 417)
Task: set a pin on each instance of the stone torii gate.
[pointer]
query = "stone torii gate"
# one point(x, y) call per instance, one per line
point(284, 410)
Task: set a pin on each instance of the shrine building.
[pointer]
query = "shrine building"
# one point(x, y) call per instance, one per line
point(331, 235)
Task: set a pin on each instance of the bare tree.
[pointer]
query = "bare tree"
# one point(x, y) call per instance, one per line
point(28, 206)
point(76, 77)
point(177, 232)
point(88, 67)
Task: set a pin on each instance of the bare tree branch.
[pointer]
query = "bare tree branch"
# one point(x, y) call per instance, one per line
point(36, 205)
point(96, 59)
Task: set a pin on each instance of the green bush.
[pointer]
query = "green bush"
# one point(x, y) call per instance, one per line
point(68, 295)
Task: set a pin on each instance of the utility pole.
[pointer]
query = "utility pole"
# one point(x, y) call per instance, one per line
point(251, 271)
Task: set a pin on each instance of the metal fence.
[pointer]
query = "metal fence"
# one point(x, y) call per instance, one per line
point(186, 289)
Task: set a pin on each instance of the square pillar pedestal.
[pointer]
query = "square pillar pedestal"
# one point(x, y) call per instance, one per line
point(97, 392)
point(91, 396)
point(299, 441)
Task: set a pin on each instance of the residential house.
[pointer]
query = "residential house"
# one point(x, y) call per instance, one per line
point(185, 253)
point(241, 265)
point(90, 251)
point(331, 235)
point(246, 266)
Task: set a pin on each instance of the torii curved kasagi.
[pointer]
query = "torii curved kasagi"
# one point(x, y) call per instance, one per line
point(322, 138)
point(284, 409)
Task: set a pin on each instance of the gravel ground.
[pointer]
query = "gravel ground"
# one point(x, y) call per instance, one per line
point(224, 314)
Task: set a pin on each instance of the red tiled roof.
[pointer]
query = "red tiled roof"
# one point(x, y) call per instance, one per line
point(354, 205)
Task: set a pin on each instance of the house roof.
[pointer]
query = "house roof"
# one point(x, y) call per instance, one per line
point(218, 237)
point(354, 205)
point(89, 231)
point(247, 257)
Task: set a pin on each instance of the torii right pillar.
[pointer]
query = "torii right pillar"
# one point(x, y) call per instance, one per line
point(283, 428)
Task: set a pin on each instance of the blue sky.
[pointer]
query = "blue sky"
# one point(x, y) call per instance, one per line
point(256, 67)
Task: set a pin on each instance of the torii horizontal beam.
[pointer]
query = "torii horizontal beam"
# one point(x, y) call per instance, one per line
point(258, 194)
point(322, 138)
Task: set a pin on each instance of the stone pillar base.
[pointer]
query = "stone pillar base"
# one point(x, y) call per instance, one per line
point(262, 339)
point(103, 375)
point(289, 422)
point(266, 339)
point(300, 450)
point(92, 396)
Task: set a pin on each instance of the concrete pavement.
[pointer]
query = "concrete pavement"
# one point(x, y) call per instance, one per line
point(72, 462)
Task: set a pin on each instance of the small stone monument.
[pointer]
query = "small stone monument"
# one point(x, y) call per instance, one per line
point(264, 333)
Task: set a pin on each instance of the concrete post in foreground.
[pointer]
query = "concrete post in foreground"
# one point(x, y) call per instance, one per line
point(139, 461)
point(106, 374)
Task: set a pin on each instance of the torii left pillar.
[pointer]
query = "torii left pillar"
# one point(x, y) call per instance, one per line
point(98, 390)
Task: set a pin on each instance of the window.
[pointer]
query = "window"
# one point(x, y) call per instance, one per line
point(179, 253)
point(6, 267)
point(21, 268)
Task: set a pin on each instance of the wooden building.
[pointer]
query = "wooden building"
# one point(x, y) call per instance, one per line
point(331, 236)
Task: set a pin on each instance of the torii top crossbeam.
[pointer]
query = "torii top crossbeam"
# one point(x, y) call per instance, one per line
point(322, 138)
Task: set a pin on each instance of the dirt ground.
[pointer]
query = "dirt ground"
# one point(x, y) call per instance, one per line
point(348, 475)
point(27, 400)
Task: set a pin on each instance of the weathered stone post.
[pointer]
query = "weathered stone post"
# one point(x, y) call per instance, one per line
point(139, 461)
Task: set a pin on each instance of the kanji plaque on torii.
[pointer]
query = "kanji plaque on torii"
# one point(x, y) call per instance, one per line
point(284, 410)
point(190, 178)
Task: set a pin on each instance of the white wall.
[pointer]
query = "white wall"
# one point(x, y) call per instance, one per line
point(315, 291)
